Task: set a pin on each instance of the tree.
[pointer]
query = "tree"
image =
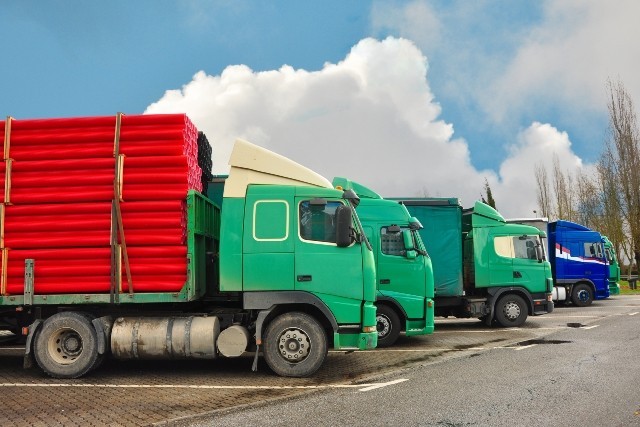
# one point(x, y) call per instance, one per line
point(489, 200)
point(543, 193)
point(623, 151)
point(562, 187)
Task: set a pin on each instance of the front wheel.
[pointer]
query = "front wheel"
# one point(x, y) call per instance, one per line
point(295, 345)
point(581, 295)
point(511, 311)
point(388, 326)
point(66, 346)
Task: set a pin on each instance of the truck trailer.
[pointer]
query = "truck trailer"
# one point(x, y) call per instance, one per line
point(404, 299)
point(578, 263)
point(483, 267)
point(281, 268)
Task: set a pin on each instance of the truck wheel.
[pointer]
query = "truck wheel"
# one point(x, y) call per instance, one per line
point(388, 325)
point(295, 345)
point(66, 345)
point(511, 310)
point(581, 295)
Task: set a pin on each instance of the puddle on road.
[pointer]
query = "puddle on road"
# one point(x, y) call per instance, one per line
point(541, 341)
point(575, 325)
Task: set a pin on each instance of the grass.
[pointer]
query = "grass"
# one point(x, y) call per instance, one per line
point(624, 288)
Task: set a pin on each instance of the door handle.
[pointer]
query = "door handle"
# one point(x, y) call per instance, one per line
point(304, 278)
point(385, 281)
point(517, 275)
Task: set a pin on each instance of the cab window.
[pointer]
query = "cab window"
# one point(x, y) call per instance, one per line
point(391, 243)
point(317, 221)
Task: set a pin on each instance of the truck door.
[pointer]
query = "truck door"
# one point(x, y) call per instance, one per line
point(321, 267)
point(400, 277)
point(528, 271)
point(574, 261)
point(500, 267)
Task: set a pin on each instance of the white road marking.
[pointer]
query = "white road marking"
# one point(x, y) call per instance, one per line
point(525, 346)
point(367, 386)
point(634, 313)
point(589, 327)
point(380, 385)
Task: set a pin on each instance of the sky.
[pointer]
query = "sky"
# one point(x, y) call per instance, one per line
point(410, 98)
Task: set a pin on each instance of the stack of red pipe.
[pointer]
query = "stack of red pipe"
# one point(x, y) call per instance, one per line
point(59, 209)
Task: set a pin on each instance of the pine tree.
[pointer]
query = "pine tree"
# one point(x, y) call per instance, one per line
point(489, 201)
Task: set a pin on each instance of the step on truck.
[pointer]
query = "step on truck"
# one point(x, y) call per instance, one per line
point(578, 260)
point(482, 266)
point(404, 272)
point(614, 266)
point(281, 269)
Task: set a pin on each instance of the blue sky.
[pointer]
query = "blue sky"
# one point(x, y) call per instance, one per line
point(497, 73)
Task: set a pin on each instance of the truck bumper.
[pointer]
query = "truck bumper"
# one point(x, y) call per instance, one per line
point(361, 341)
point(422, 326)
point(543, 306)
point(614, 288)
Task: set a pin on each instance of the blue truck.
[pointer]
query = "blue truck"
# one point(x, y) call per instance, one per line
point(578, 260)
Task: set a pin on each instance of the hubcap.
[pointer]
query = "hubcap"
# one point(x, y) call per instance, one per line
point(583, 295)
point(511, 310)
point(65, 345)
point(383, 325)
point(294, 345)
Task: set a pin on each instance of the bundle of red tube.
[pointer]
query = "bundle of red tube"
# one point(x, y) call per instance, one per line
point(58, 201)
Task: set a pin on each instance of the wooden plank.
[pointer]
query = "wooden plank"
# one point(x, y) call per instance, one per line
point(117, 197)
point(7, 181)
point(7, 137)
point(5, 261)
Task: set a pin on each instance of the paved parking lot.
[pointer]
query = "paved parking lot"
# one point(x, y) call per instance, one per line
point(144, 393)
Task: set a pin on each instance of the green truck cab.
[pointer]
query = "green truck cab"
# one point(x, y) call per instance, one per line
point(265, 275)
point(483, 267)
point(405, 276)
point(614, 266)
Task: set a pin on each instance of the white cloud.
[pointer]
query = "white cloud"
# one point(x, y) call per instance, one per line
point(371, 117)
point(537, 145)
point(569, 56)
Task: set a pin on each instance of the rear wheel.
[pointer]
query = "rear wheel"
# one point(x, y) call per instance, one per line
point(295, 345)
point(388, 325)
point(581, 295)
point(66, 346)
point(511, 311)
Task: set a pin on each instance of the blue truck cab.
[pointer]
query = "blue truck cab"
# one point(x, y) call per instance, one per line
point(578, 258)
point(578, 262)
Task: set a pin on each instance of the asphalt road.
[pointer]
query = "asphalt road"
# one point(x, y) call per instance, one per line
point(581, 369)
point(575, 366)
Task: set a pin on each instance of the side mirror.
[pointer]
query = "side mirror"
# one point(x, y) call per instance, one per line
point(415, 224)
point(539, 253)
point(408, 240)
point(344, 236)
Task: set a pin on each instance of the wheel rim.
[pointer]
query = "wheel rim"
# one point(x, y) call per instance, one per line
point(383, 325)
point(294, 345)
point(583, 295)
point(511, 310)
point(65, 346)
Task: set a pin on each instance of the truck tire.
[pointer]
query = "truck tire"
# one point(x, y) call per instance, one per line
point(66, 345)
point(581, 296)
point(388, 325)
point(511, 311)
point(295, 345)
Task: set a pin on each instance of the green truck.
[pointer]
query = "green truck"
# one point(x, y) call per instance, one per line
point(614, 266)
point(483, 267)
point(282, 267)
point(405, 275)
